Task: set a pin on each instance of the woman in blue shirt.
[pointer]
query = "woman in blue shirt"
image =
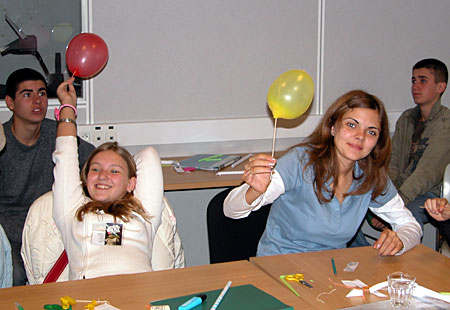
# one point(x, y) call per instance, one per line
point(321, 190)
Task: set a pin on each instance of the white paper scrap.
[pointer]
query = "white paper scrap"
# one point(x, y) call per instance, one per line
point(348, 283)
point(379, 294)
point(356, 292)
point(354, 283)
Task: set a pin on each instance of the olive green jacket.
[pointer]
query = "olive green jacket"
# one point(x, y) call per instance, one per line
point(426, 174)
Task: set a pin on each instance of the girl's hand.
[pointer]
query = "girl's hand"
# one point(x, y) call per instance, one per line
point(388, 244)
point(66, 92)
point(438, 208)
point(257, 174)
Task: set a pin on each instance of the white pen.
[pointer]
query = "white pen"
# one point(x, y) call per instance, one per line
point(170, 162)
point(240, 161)
point(219, 299)
point(230, 172)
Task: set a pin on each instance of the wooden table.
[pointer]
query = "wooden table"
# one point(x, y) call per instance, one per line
point(430, 268)
point(200, 179)
point(136, 290)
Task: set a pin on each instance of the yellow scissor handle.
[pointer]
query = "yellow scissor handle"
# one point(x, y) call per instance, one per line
point(295, 277)
point(283, 279)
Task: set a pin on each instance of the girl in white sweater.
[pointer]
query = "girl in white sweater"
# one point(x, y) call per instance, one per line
point(106, 229)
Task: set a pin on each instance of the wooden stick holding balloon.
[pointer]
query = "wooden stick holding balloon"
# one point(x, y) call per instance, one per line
point(289, 96)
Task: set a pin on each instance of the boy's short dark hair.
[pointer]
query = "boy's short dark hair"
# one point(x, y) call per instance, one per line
point(19, 76)
point(437, 68)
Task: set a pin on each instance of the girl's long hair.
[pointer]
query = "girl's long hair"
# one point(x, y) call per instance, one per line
point(322, 150)
point(125, 206)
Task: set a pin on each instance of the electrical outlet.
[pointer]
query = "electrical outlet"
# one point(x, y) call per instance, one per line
point(110, 133)
point(85, 133)
point(98, 134)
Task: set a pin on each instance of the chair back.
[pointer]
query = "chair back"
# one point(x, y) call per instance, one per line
point(233, 239)
point(444, 228)
point(42, 245)
point(446, 183)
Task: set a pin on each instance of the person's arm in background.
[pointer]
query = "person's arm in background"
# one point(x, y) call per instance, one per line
point(438, 208)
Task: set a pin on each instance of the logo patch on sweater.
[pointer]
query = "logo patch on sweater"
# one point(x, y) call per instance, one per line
point(113, 234)
point(107, 234)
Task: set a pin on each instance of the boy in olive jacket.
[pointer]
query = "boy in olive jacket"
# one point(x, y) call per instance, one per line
point(421, 141)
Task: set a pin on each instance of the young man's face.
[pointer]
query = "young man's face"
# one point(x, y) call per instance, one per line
point(31, 102)
point(424, 88)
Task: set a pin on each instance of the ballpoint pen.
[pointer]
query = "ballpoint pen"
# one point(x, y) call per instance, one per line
point(334, 266)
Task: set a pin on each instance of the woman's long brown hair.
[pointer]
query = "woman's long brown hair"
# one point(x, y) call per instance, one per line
point(122, 208)
point(322, 150)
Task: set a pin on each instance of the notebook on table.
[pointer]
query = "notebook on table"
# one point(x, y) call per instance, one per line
point(211, 162)
point(242, 297)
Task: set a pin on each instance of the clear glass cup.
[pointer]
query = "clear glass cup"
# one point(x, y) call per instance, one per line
point(400, 288)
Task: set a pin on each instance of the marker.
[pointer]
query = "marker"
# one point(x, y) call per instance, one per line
point(193, 302)
point(240, 161)
point(334, 266)
point(18, 306)
point(219, 299)
point(230, 172)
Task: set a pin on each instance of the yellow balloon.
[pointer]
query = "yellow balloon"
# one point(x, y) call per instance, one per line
point(291, 94)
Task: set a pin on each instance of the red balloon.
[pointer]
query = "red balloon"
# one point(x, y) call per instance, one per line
point(86, 55)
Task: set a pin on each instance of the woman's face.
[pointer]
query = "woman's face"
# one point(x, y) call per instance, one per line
point(356, 134)
point(107, 178)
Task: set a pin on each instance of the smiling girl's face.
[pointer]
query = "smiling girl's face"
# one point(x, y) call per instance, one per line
point(107, 177)
point(356, 134)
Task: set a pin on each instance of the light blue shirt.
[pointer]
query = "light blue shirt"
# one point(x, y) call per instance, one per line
point(298, 222)
point(6, 268)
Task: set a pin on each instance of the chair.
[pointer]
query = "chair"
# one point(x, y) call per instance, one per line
point(40, 229)
point(444, 227)
point(233, 239)
point(43, 250)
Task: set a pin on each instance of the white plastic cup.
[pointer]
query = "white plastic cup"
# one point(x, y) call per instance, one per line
point(400, 288)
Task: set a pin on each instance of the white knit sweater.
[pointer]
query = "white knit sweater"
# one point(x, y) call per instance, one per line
point(87, 259)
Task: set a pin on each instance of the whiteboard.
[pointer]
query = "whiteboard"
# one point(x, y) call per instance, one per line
point(373, 45)
point(199, 59)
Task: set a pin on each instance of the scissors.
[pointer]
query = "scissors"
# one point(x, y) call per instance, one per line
point(298, 277)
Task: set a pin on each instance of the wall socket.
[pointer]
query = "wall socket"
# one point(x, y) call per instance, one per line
point(97, 134)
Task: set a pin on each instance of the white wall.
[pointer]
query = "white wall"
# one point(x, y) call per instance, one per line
point(182, 76)
point(185, 76)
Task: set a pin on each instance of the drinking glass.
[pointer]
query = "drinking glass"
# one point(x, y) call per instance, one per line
point(400, 288)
